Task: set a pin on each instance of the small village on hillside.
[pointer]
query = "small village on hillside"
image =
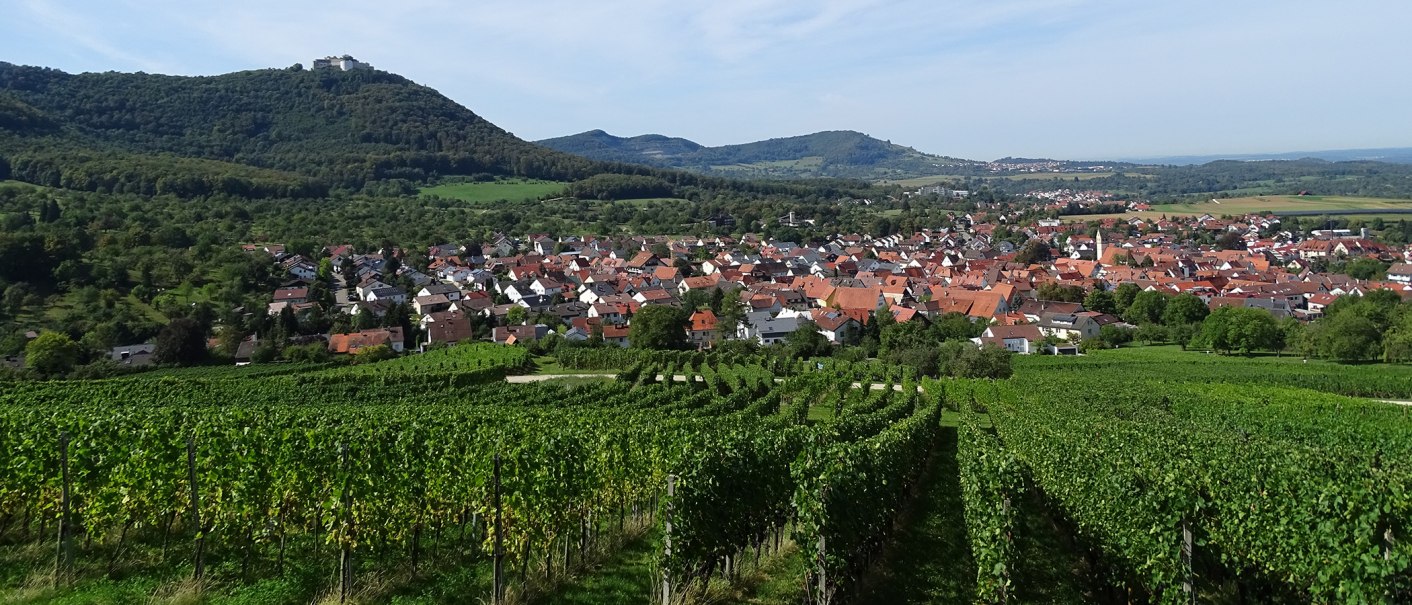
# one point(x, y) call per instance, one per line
point(534, 286)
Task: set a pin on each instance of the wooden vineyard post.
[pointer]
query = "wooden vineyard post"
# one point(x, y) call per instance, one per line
point(196, 558)
point(1388, 543)
point(823, 595)
point(345, 555)
point(1005, 582)
point(64, 557)
point(667, 541)
point(1188, 584)
point(497, 587)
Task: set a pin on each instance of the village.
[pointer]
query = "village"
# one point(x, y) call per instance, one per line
point(518, 290)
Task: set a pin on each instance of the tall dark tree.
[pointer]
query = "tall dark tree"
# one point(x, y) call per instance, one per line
point(1100, 301)
point(182, 342)
point(1123, 296)
point(1147, 307)
point(658, 327)
point(806, 341)
point(1034, 251)
point(1184, 309)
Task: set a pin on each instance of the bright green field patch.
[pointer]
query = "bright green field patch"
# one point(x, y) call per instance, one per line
point(1284, 203)
point(20, 185)
point(924, 181)
point(652, 200)
point(507, 190)
point(806, 163)
point(1064, 176)
point(1239, 206)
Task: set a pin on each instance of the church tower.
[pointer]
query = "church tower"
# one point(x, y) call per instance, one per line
point(1098, 251)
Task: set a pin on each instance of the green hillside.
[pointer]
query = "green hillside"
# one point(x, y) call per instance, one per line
point(293, 127)
point(648, 148)
point(839, 154)
point(272, 133)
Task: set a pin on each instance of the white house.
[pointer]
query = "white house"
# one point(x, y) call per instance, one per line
point(452, 293)
point(1066, 326)
point(389, 294)
point(1400, 273)
point(366, 289)
point(546, 287)
point(1022, 339)
point(765, 329)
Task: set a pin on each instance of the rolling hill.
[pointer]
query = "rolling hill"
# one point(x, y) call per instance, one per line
point(291, 131)
point(280, 133)
point(836, 154)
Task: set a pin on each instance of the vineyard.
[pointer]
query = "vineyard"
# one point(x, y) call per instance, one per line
point(428, 479)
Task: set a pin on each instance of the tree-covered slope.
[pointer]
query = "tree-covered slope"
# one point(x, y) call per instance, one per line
point(839, 153)
point(648, 148)
point(316, 128)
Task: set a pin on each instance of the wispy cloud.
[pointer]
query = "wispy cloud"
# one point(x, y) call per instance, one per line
point(81, 28)
point(978, 78)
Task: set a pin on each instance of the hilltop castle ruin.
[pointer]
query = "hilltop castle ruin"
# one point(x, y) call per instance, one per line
point(345, 62)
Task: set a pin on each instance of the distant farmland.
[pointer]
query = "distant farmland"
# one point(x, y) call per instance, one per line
point(511, 190)
point(1022, 176)
point(1288, 205)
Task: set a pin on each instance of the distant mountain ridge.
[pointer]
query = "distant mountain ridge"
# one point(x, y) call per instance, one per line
point(836, 154)
point(282, 133)
point(599, 145)
point(1390, 155)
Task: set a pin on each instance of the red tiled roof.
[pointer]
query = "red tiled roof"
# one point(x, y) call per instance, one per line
point(703, 321)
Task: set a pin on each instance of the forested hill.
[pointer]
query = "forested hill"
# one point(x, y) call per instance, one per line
point(841, 154)
point(645, 149)
point(272, 132)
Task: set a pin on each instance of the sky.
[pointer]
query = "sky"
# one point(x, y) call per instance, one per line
point(978, 79)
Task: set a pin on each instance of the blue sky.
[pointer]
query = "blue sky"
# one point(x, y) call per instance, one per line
point(1074, 79)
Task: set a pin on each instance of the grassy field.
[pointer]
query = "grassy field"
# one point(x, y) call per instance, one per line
point(20, 184)
point(653, 200)
point(516, 189)
point(1278, 204)
point(808, 163)
point(1065, 176)
point(1028, 176)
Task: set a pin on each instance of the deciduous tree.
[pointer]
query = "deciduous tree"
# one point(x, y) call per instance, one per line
point(51, 353)
point(181, 341)
point(658, 327)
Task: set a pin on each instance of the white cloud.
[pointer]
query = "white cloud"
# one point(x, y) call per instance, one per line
point(78, 28)
point(959, 77)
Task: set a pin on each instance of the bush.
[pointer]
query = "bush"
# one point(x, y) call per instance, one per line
point(310, 353)
point(374, 354)
point(264, 353)
point(51, 354)
point(1095, 344)
point(965, 360)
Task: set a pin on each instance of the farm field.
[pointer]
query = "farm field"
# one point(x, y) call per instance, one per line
point(805, 163)
point(1045, 176)
point(1078, 480)
point(515, 190)
point(1277, 204)
point(1027, 176)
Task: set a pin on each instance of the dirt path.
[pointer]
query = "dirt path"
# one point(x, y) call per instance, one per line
point(528, 378)
point(543, 377)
